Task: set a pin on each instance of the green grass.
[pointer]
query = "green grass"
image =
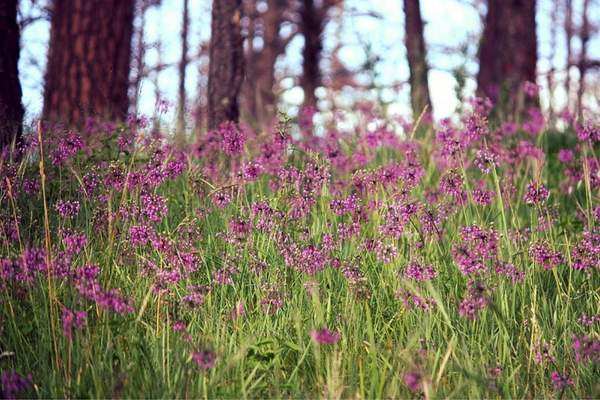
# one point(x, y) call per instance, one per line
point(271, 355)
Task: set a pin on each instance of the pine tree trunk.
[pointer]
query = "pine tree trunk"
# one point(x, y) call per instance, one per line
point(88, 61)
point(311, 26)
point(11, 109)
point(508, 53)
point(226, 69)
point(183, 63)
point(417, 60)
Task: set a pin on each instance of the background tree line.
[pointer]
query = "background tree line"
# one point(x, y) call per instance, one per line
point(96, 52)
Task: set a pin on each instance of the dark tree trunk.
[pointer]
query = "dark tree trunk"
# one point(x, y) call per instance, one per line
point(183, 63)
point(569, 40)
point(508, 53)
point(584, 35)
point(417, 60)
point(226, 68)
point(88, 60)
point(11, 109)
point(311, 25)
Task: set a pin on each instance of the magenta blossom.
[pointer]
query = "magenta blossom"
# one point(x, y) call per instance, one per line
point(325, 336)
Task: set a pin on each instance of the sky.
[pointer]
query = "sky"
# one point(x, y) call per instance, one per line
point(448, 25)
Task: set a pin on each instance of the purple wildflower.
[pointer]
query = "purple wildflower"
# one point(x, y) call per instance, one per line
point(71, 320)
point(233, 138)
point(325, 336)
point(559, 381)
point(154, 207)
point(66, 208)
point(205, 359)
point(586, 349)
point(544, 256)
point(475, 301)
point(536, 194)
point(419, 272)
point(221, 199)
point(412, 380)
point(12, 383)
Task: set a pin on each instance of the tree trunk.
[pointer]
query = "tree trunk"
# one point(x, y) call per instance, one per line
point(11, 109)
point(311, 25)
point(183, 63)
point(88, 60)
point(569, 40)
point(417, 60)
point(508, 53)
point(260, 99)
point(226, 69)
point(584, 35)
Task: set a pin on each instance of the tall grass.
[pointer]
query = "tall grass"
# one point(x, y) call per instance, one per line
point(277, 258)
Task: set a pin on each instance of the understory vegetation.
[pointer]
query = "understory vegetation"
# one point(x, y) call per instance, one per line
point(371, 260)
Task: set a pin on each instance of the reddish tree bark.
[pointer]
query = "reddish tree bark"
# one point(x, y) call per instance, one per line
point(11, 109)
point(226, 66)
point(88, 61)
point(508, 51)
point(584, 35)
point(260, 99)
point(311, 25)
point(417, 59)
point(183, 63)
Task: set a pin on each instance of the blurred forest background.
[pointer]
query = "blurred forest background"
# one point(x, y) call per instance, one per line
point(113, 58)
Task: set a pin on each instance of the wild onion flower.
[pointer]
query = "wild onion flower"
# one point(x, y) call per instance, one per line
point(543, 255)
point(475, 300)
point(12, 383)
point(419, 272)
point(586, 349)
point(221, 199)
point(560, 381)
point(325, 336)
point(233, 138)
point(74, 241)
point(205, 359)
point(72, 320)
point(536, 194)
point(66, 208)
point(153, 207)
point(412, 380)
point(585, 255)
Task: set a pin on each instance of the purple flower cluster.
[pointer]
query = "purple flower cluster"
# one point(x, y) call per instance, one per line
point(543, 255)
point(71, 320)
point(66, 208)
point(233, 138)
point(478, 247)
point(475, 301)
point(87, 283)
point(510, 271)
point(153, 207)
point(12, 383)
point(560, 381)
point(586, 349)
point(412, 380)
point(325, 336)
point(536, 194)
point(585, 255)
point(140, 235)
point(419, 272)
point(68, 146)
point(74, 241)
point(415, 300)
point(196, 295)
point(205, 359)
point(346, 205)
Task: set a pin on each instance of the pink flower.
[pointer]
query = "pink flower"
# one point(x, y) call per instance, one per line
point(325, 336)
